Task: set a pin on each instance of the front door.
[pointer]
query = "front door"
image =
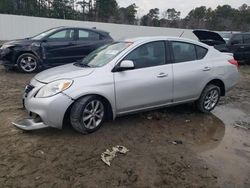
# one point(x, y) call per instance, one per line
point(149, 84)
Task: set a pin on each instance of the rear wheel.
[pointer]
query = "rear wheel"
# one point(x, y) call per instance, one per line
point(209, 98)
point(87, 114)
point(27, 63)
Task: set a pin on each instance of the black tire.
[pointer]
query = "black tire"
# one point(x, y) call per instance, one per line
point(78, 111)
point(202, 104)
point(28, 59)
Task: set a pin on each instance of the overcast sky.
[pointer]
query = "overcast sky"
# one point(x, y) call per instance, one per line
point(181, 5)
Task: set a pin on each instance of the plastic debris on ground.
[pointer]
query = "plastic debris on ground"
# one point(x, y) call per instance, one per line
point(176, 142)
point(242, 124)
point(108, 155)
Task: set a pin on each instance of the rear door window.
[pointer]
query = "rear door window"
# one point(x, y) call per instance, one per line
point(183, 52)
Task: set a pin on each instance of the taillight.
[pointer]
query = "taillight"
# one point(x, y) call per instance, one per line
point(234, 62)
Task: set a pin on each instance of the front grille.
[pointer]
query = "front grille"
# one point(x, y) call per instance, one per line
point(28, 89)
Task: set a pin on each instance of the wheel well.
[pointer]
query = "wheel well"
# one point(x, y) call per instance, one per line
point(24, 52)
point(109, 112)
point(220, 84)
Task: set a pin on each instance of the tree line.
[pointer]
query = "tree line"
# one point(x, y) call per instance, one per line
point(222, 18)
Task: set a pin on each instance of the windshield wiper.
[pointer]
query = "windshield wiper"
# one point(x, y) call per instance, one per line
point(79, 64)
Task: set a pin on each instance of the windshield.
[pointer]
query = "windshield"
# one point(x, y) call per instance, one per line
point(41, 35)
point(105, 54)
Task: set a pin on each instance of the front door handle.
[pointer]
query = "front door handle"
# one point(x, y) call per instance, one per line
point(207, 69)
point(162, 75)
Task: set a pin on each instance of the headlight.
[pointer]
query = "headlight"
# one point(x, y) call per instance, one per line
point(54, 88)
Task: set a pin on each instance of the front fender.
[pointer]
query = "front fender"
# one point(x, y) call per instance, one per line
point(18, 50)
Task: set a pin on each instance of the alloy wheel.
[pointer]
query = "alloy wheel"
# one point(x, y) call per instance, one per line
point(28, 64)
point(93, 114)
point(211, 99)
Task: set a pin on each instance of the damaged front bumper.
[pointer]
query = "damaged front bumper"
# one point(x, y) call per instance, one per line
point(6, 58)
point(29, 124)
point(43, 112)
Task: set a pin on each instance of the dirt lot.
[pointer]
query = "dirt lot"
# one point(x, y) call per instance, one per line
point(213, 153)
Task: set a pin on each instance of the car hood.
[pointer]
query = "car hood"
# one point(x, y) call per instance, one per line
point(19, 42)
point(68, 71)
point(209, 37)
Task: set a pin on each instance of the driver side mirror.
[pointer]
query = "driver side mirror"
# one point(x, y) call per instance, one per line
point(124, 65)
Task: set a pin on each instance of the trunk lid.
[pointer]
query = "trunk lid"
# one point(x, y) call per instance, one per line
point(209, 37)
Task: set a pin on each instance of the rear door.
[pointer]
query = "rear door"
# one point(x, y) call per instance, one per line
point(59, 47)
point(149, 84)
point(191, 71)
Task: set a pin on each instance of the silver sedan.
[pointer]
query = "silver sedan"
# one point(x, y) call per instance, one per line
point(127, 77)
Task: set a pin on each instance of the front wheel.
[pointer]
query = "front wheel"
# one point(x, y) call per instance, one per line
point(27, 63)
point(209, 98)
point(87, 114)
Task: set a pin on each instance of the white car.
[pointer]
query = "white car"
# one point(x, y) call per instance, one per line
point(127, 77)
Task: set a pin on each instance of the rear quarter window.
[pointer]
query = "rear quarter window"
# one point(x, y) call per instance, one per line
point(201, 52)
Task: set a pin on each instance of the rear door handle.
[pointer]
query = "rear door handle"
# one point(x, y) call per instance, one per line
point(207, 69)
point(162, 75)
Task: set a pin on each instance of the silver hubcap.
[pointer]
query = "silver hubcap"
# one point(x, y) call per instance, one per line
point(93, 114)
point(28, 64)
point(211, 99)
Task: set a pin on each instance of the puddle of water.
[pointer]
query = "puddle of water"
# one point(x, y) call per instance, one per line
point(231, 157)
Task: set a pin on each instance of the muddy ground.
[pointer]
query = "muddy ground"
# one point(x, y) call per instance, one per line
point(213, 152)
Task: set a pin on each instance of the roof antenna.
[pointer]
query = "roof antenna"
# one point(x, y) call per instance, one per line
point(181, 34)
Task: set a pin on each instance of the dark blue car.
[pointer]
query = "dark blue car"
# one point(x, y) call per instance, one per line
point(54, 47)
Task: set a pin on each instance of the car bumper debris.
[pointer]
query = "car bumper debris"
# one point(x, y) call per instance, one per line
point(108, 155)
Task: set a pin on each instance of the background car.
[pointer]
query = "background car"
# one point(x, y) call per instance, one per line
point(54, 47)
point(226, 35)
point(239, 45)
point(127, 77)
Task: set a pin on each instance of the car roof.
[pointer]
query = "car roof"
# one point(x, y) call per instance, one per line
point(152, 38)
point(86, 28)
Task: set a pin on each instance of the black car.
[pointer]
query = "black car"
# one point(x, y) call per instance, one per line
point(239, 45)
point(54, 47)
